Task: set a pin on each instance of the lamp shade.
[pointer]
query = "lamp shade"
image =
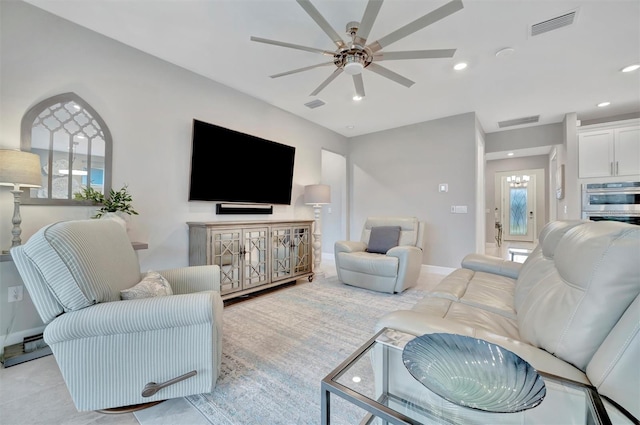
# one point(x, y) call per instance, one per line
point(315, 194)
point(18, 168)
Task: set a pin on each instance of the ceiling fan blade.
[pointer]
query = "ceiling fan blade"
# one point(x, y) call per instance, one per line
point(385, 72)
point(326, 82)
point(357, 81)
point(428, 19)
point(316, 16)
point(292, 46)
point(415, 54)
point(294, 71)
point(369, 17)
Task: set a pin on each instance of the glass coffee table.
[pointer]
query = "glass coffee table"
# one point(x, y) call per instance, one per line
point(375, 379)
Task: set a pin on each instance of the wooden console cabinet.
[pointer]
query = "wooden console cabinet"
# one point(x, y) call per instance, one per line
point(252, 255)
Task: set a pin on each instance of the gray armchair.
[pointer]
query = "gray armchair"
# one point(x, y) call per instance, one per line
point(393, 271)
point(109, 350)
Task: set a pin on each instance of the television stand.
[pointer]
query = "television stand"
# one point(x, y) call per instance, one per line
point(253, 255)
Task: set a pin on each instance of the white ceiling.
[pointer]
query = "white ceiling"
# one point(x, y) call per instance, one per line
point(567, 70)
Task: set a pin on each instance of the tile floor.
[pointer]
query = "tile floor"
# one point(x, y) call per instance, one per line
point(503, 250)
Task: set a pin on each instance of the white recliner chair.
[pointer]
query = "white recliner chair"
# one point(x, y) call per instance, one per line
point(387, 258)
point(115, 353)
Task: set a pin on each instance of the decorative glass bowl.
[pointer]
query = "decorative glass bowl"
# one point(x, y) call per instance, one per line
point(474, 373)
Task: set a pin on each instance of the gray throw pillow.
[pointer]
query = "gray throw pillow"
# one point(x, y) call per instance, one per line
point(383, 238)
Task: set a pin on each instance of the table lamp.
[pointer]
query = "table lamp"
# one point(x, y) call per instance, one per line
point(317, 195)
point(18, 169)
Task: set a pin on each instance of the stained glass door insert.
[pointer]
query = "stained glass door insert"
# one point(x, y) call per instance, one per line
point(518, 211)
point(518, 206)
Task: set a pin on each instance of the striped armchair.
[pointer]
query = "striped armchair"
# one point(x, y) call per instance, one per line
point(112, 353)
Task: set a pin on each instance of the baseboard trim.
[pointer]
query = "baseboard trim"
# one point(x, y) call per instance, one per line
point(19, 336)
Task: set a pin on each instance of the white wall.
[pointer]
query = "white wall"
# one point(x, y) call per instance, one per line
point(569, 208)
point(334, 215)
point(480, 189)
point(148, 105)
point(397, 172)
point(523, 138)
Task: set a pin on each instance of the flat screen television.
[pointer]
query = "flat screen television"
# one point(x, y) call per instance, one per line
point(231, 166)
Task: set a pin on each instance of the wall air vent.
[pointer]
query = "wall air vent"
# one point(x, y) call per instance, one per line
point(553, 23)
point(519, 121)
point(314, 104)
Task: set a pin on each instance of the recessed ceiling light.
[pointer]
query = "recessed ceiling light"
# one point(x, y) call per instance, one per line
point(603, 104)
point(357, 98)
point(630, 68)
point(460, 66)
point(510, 154)
point(349, 127)
point(507, 51)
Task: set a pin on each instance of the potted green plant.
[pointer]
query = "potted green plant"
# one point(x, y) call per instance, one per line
point(118, 202)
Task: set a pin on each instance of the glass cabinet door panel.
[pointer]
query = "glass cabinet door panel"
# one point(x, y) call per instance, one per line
point(255, 257)
point(281, 253)
point(301, 249)
point(226, 254)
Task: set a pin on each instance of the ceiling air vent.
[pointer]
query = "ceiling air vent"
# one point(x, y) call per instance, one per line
point(314, 104)
point(519, 121)
point(553, 23)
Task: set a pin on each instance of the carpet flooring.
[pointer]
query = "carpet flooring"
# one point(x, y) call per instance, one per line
point(278, 347)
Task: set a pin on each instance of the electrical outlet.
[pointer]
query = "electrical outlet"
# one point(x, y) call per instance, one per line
point(15, 293)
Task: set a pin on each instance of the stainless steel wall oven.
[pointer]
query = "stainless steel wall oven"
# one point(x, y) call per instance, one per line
point(618, 201)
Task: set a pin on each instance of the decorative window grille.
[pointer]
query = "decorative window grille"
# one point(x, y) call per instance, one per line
point(74, 145)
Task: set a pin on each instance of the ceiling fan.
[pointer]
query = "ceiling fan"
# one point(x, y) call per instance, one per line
point(354, 56)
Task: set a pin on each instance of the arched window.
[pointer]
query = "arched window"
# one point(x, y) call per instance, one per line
point(74, 145)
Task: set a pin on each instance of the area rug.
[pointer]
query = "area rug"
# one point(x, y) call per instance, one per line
point(279, 346)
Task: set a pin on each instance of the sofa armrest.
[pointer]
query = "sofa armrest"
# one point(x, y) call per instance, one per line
point(349, 246)
point(186, 280)
point(420, 323)
point(136, 316)
point(409, 262)
point(489, 264)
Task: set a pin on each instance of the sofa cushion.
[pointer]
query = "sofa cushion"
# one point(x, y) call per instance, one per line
point(383, 238)
point(487, 291)
point(73, 264)
point(369, 263)
point(541, 261)
point(468, 316)
point(575, 303)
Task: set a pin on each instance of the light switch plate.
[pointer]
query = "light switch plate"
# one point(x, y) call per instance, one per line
point(443, 187)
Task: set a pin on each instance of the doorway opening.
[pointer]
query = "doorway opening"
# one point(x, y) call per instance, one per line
point(520, 204)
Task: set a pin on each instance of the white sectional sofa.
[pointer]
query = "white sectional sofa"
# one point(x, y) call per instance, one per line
point(572, 309)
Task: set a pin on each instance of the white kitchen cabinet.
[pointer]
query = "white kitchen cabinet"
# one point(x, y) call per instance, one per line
point(609, 152)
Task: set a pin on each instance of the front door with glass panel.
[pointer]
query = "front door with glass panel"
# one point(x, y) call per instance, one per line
point(518, 207)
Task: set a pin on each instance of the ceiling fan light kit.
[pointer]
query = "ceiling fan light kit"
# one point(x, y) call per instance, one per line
point(355, 56)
